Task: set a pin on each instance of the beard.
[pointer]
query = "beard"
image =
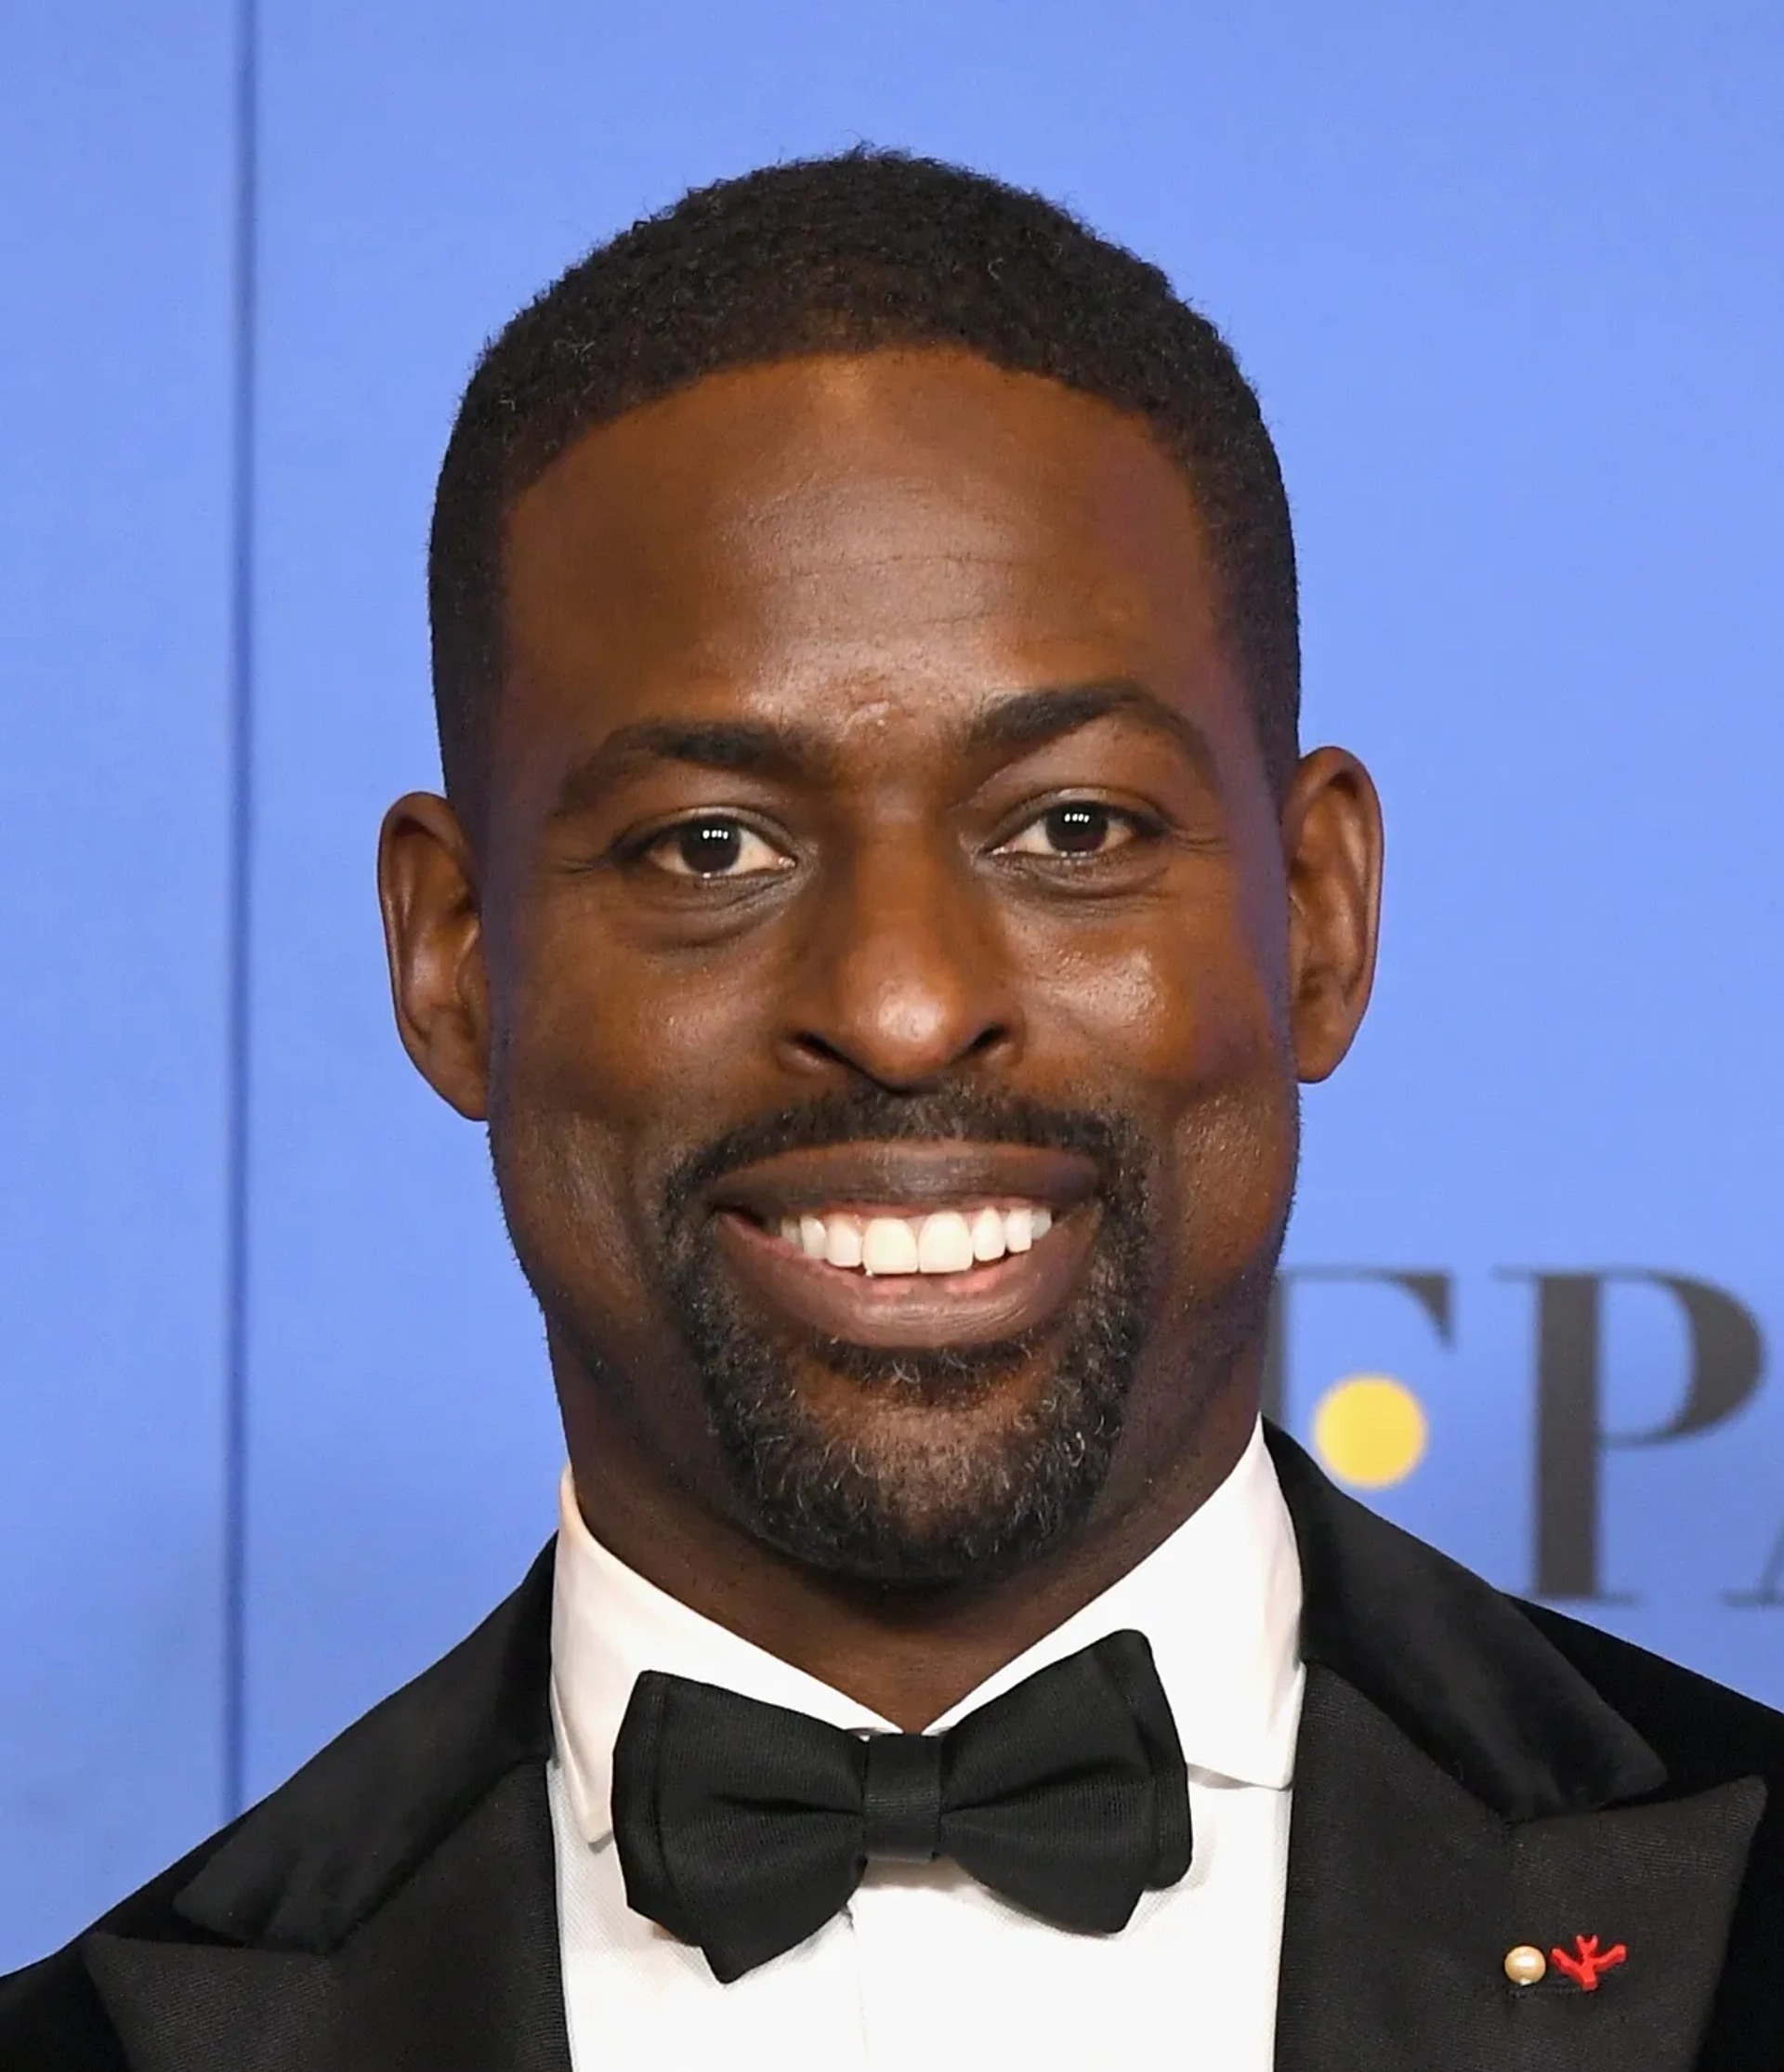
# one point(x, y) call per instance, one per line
point(931, 1483)
point(947, 1463)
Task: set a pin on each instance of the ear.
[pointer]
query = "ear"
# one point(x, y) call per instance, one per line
point(433, 936)
point(1332, 845)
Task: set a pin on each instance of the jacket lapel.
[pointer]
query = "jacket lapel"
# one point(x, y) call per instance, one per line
point(1459, 1791)
point(1392, 1910)
point(198, 2007)
point(458, 1973)
point(1405, 1893)
point(393, 1906)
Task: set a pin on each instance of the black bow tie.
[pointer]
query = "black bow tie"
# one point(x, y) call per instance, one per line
point(742, 1828)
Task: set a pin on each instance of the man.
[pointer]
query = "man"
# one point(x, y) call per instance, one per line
point(883, 915)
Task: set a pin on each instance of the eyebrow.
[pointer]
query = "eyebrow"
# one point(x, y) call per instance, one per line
point(1017, 723)
point(1030, 719)
point(790, 754)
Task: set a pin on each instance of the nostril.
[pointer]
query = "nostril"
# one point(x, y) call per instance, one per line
point(820, 1047)
point(897, 1068)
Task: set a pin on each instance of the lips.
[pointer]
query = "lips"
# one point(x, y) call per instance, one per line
point(906, 1179)
point(863, 1242)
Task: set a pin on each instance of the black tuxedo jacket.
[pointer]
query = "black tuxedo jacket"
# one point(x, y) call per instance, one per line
point(1472, 1774)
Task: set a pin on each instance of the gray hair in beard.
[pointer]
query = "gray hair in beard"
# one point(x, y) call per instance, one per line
point(895, 1520)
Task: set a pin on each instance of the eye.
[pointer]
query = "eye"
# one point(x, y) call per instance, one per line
point(1078, 828)
point(713, 847)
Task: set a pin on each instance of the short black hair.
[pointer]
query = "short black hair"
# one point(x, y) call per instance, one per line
point(863, 250)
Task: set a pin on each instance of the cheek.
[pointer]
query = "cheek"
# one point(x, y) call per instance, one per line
point(609, 1065)
point(1180, 1009)
point(1186, 1032)
point(571, 1077)
point(589, 1026)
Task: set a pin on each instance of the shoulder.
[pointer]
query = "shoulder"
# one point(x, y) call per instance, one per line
point(1415, 1629)
point(1703, 1731)
point(51, 2018)
point(1537, 1712)
point(295, 1870)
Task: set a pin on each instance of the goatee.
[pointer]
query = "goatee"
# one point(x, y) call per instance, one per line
point(942, 1503)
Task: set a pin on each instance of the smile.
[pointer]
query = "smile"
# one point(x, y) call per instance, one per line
point(943, 1241)
point(913, 1244)
point(903, 1280)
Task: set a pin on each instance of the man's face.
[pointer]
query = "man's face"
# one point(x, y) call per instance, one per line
point(891, 979)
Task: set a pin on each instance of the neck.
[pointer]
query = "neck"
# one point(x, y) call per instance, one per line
point(908, 1655)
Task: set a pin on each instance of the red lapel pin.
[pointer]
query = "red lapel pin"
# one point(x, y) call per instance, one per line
point(1589, 1962)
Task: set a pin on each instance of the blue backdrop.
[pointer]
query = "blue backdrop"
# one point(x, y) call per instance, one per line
point(276, 1423)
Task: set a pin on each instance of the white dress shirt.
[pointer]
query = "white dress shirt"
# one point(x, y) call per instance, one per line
point(924, 1970)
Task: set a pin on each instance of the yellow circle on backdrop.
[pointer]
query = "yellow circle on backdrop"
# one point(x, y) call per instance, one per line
point(1369, 1430)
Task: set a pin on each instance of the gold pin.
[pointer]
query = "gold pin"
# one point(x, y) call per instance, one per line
point(1525, 1964)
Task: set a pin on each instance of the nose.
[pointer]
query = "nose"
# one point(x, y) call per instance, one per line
point(901, 978)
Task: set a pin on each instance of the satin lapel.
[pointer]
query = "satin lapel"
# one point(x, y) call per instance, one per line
point(458, 1971)
point(1405, 1892)
point(197, 2007)
point(1391, 1937)
point(1659, 1879)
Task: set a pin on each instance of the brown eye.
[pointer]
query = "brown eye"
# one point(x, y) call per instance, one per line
point(711, 847)
point(1081, 827)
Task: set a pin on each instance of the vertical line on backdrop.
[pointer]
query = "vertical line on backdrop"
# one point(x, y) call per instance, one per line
point(238, 950)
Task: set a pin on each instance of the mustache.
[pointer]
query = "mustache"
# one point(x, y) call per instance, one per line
point(872, 1115)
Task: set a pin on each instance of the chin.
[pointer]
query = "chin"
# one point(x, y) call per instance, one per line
point(918, 1469)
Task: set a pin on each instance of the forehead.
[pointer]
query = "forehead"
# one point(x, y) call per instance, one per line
point(916, 525)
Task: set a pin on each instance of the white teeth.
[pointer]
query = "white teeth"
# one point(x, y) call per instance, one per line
point(889, 1246)
point(944, 1244)
point(987, 1235)
point(843, 1246)
point(949, 1241)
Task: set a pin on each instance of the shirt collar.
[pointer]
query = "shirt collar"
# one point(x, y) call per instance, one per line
point(1219, 1600)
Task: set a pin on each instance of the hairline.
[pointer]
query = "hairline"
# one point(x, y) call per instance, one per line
point(514, 490)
